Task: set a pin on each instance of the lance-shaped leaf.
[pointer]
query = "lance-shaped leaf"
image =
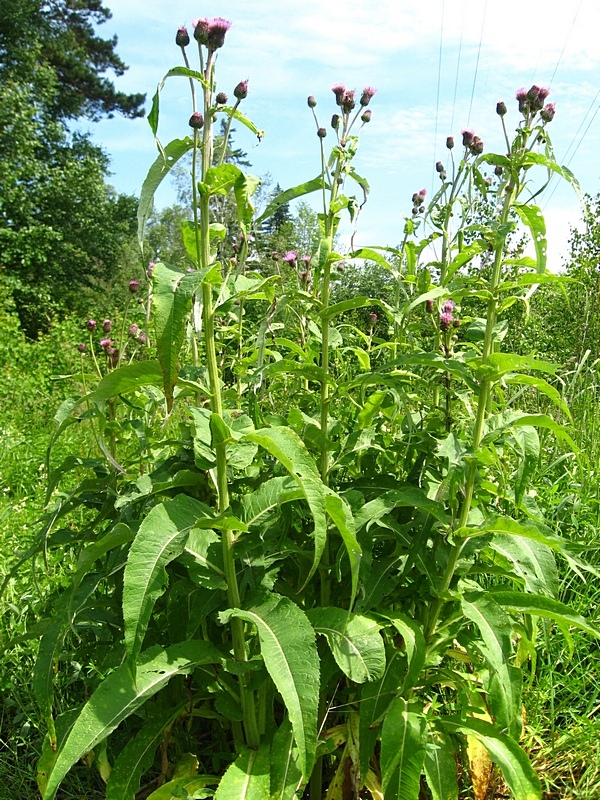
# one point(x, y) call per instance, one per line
point(289, 650)
point(160, 539)
point(495, 646)
point(138, 756)
point(172, 296)
point(542, 606)
point(184, 787)
point(414, 646)
point(516, 769)
point(532, 561)
point(402, 751)
point(248, 777)
point(126, 379)
point(290, 194)
point(286, 776)
point(440, 767)
point(182, 72)
point(341, 514)
point(532, 217)
point(354, 640)
point(164, 163)
point(117, 697)
point(287, 447)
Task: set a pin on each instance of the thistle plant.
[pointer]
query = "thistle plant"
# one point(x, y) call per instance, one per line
point(325, 579)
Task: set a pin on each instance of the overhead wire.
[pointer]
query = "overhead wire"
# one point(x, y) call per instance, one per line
point(437, 100)
point(477, 62)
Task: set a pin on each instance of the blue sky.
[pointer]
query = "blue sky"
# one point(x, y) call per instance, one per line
point(438, 66)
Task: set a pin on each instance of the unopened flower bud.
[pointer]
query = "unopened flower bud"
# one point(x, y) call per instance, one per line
point(182, 37)
point(82, 347)
point(133, 330)
point(429, 305)
point(150, 270)
point(367, 93)
point(335, 122)
point(501, 109)
point(322, 133)
point(91, 325)
point(311, 101)
point(221, 99)
point(106, 344)
point(439, 167)
point(449, 142)
point(241, 90)
point(498, 171)
point(142, 337)
point(467, 137)
point(476, 146)
point(455, 323)
point(348, 102)
point(134, 286)
point(201, 30)
point(422, 193)
point(275, 256)
point(366, 116)
point(373, 318)
point(196, 120)
point(107, 326)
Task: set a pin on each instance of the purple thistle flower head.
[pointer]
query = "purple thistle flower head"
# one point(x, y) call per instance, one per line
point(501, 108)
point(241, 90)
point(133, 330)
point(467, 136)
point(449, 306)
point(449, 142)
point(373, 318)
point(201, 30)
point(291, 257)
point(106, 344)
point(521, 95)
point(339, 91)
point(182, 37)
point(221, 99)
point(366, 116)
point(429, 305)
point(548, 111)
point(134, 286)
point(476, 146)
point(142, 337)
point(367, 94)
point(422, 193)
point(196, 120)
point(311, 101)
point(107, 326)
point(445, 320)
point(322, 133)
point(91, 325)
point(82, 347)
point(306, 259)
point(217, 28)
point(348, 102)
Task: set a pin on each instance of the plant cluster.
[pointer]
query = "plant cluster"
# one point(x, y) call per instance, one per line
point(310, 557)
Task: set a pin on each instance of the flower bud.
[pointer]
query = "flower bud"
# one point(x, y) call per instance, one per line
point(439, 167)
point(498, 171)
point(322, 133)
point(548, 111)
point(429, 305)
point(311, 101)
point(241, 90)
point(221, 99)
point(134, 286)
point(449, 142)
point(339, 91)
point(150, 270)
point(335, 122)
point(501, 109)
point(196, 120)
point(476, 146)
point(367, 93)
point(455, 323)
point(106, 344)
point(201, 30)
point(133, 330)
point(373, 318)
point(182, 37)
point(467, 137)
point(91, 325)
point(142, 337)
point(366, 116)
point(348, 102)
point(107, 326)
point(82, 347)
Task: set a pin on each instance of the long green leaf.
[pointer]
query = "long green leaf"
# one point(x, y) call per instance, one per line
point(160, 539)
point(183, 72)
point(184, 787)
point(290, 194)
point(533, 218)
point(542, 606)
point(402, 752)
point(138, 755)
point(287, 447)
point(125, 379)
point(164, 163)
point(117, 697)
point(286, 775)
point(289, 650)
point(504, 751)
point(354, 640)
point(532, 561)
point(440, 767)
point(248, 777)
point(341, 514)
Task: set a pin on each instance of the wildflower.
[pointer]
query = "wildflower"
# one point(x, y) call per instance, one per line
point(501, 109)
point(107, 326)
point(449, 306)
point(196, 120)
point(182, 37)
point(91, 325)
point(445, 320)
point(548, 111)
point(106, 344)
point(476, 146)
point(305, 275)
point(439, 167)
point(143, 337)
point(133, 330)
point(498, 171)
point(467, 137)
point(366, 116)
point(221, 99)
point(134, 286)
point(322, 133)
point(373, 318)
point(291, 258)
point(455, 323)
point(335, 122)
point(429, 305)
point(241, 90)
point(306, 260)
point(275, 256)
point(449, 142)
point(348, 102)
point(367, 94)
point(311, 101)
point(339, 91)
point(82, 347)
point(150, 270)
point(521, 95)
point(217, 28)
point(201, 30)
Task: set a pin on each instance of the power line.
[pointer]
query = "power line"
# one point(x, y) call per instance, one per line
point(462, 25)
point(477, 62)
point(437, 100)
point(566, 42)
